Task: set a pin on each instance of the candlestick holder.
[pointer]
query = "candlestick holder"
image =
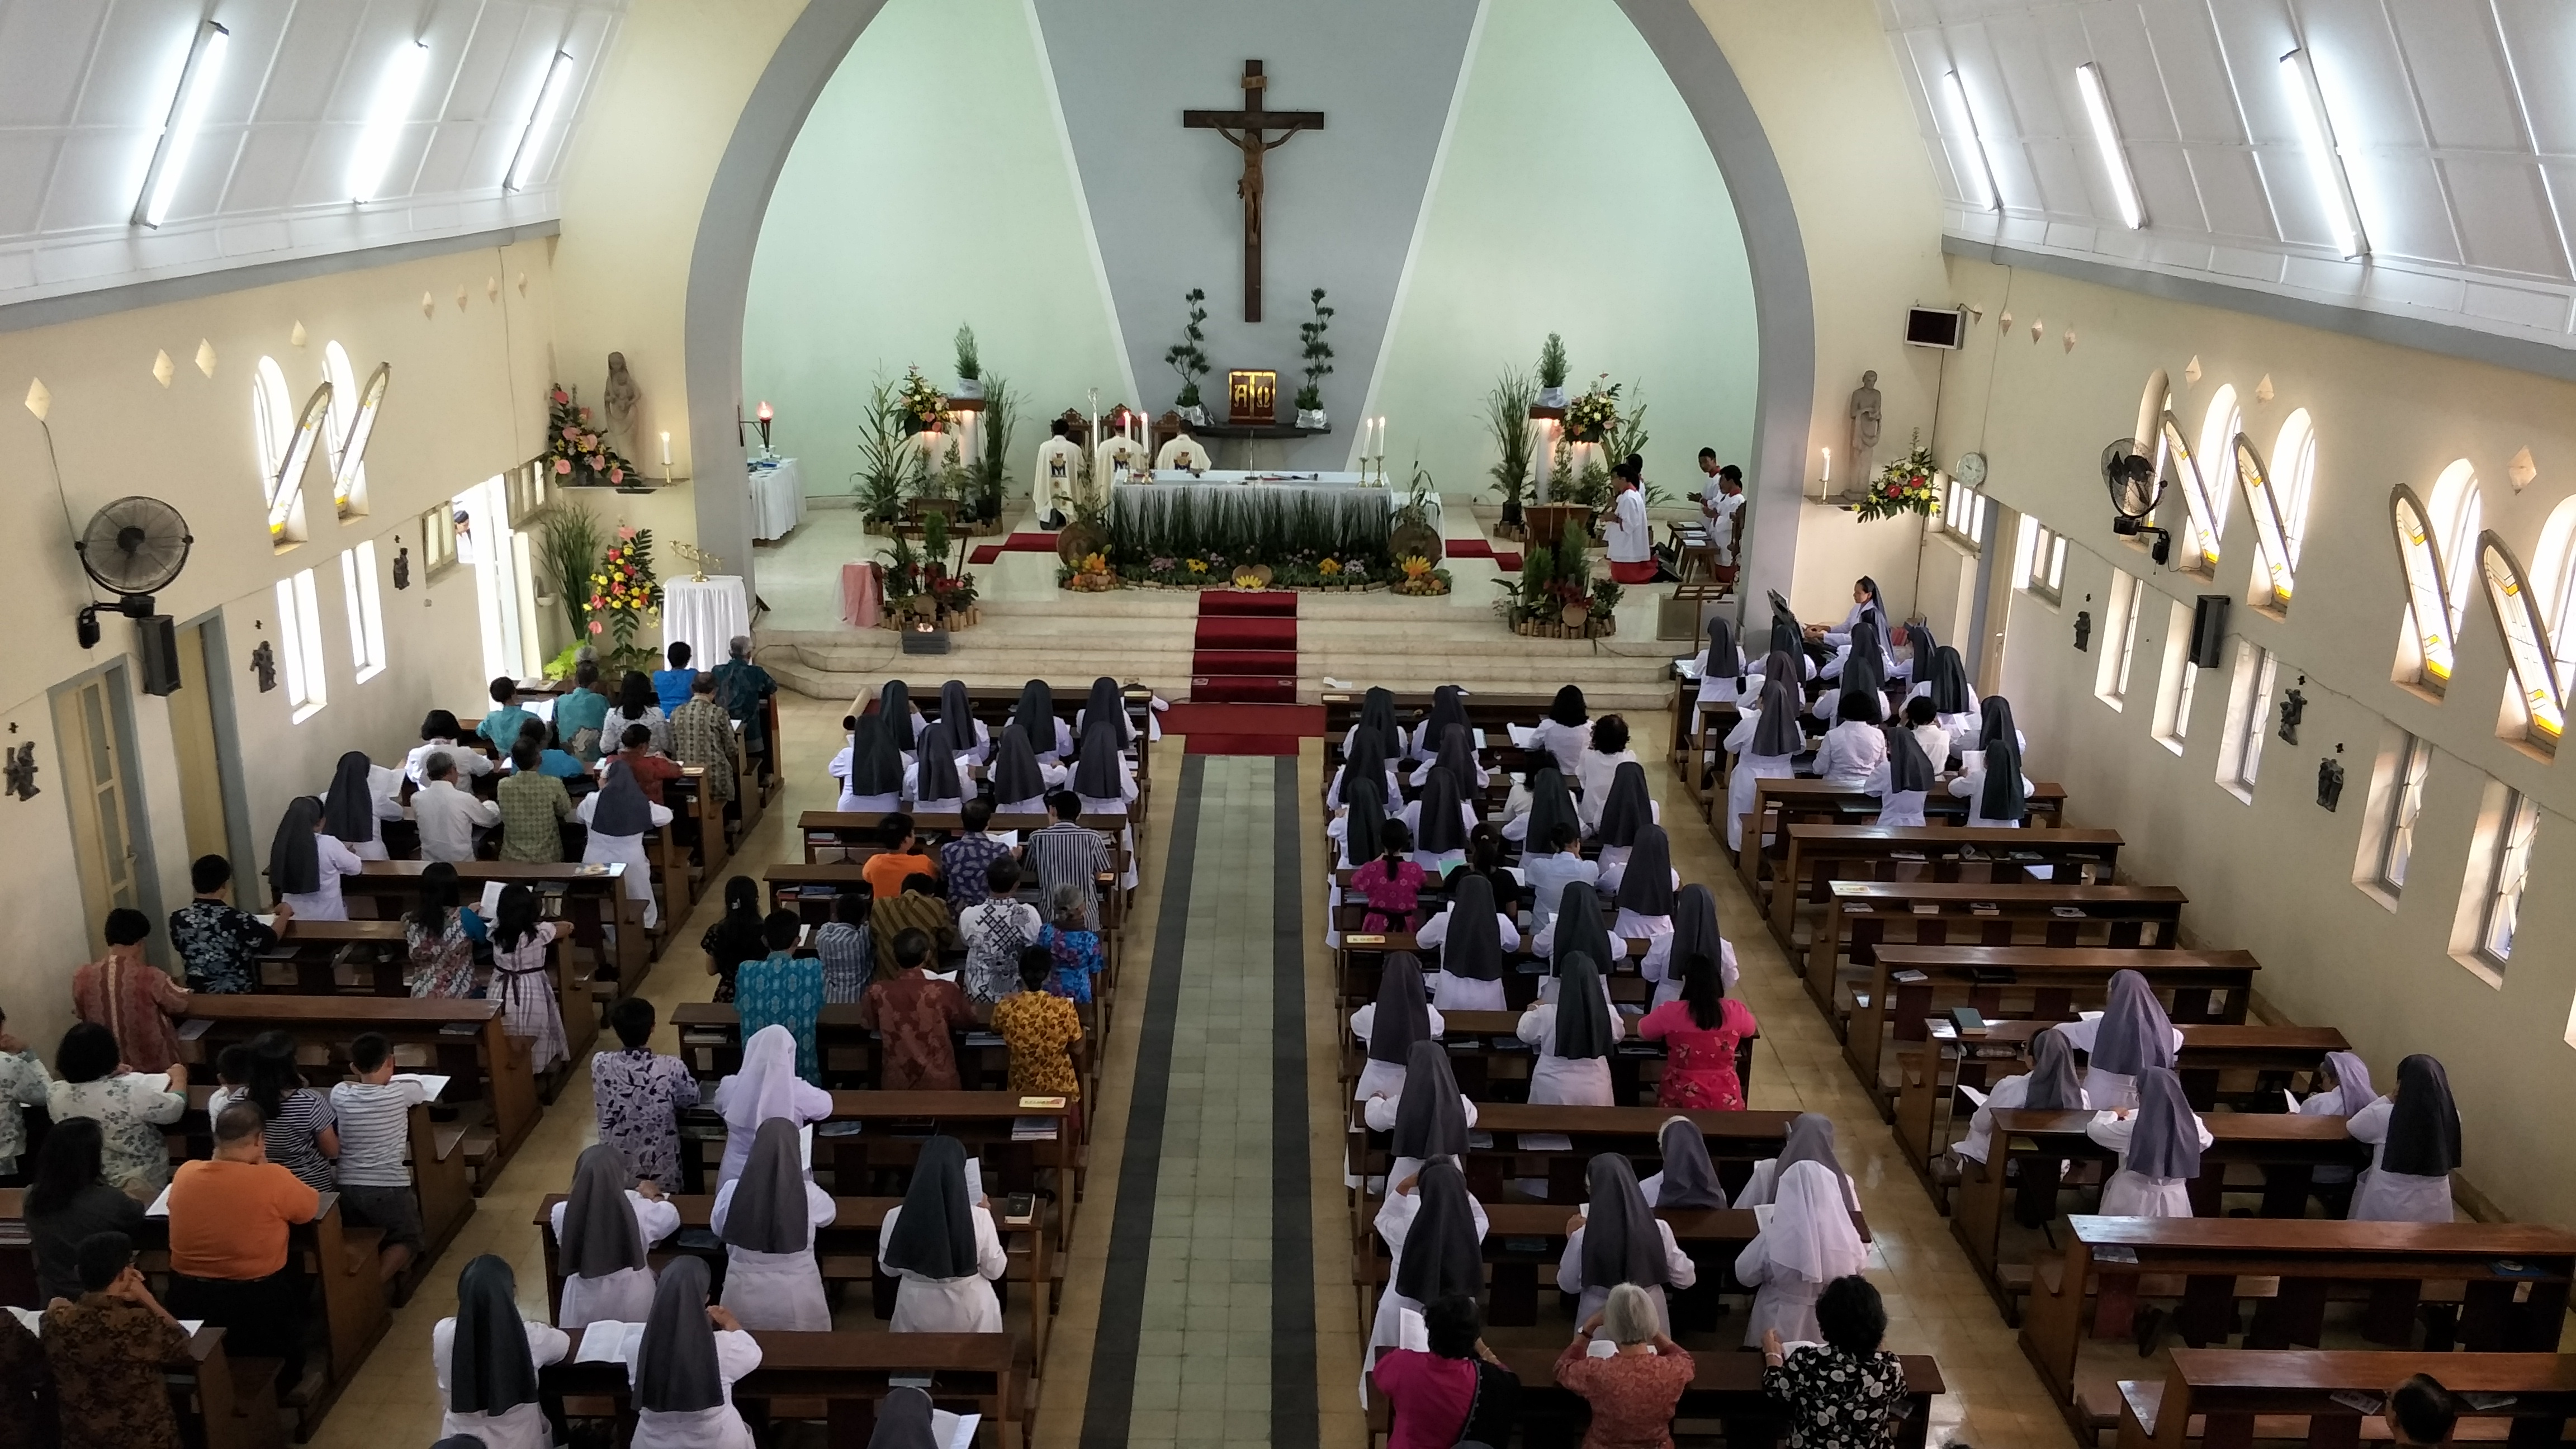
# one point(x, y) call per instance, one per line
point(699, 557)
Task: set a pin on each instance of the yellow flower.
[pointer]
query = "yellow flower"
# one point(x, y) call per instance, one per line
point(1328, 568)
point(1415, 567)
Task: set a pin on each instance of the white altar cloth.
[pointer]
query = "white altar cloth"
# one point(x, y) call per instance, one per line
point(777, 498)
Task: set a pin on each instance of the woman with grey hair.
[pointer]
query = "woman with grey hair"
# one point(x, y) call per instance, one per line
point(1633, 1391)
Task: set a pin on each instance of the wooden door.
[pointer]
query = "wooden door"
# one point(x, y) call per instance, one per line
point(88, 719)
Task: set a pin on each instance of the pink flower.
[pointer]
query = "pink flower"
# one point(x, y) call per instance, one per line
point(585, 415)
point(571, 433)
point(616, 475)
point(597, 627)
point(563, 465)
point(624, 533)
point(561, 396)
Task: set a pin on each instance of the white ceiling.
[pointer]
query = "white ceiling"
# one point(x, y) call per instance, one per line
point(86, 85)
point(2453, 116)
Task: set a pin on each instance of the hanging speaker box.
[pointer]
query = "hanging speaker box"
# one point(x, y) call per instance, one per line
point(2208, 630)
point(156, 639)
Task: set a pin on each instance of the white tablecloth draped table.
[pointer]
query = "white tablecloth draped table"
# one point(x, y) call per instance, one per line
point(705, 616)
point(1274, 487)
point(777, 498)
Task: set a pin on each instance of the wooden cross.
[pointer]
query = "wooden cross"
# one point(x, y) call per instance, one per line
point(1248, 129)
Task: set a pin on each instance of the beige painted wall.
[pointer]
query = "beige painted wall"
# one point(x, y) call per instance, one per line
point(466, 402)
point(2276, 876)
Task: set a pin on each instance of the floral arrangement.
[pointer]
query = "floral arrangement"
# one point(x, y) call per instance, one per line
point(577, 454)
point(1298, 570)
point(623, 590)
point(1422, 578)
point(1556, 587)
point(922, 407)
point(922, 583)
point(1904, 486)
point(1592, 417)
point(1091, 576)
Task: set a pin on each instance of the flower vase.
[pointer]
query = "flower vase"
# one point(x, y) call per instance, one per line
point(968, 387)
point(1552, 397)
point(1195, 415)
point(1312, 418)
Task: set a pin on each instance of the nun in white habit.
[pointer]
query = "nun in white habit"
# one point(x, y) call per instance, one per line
point(932, 781)
point(941, 1242)
point(1441, 820)
point(1954, 704)
point(1810, 1139)
point(2415, 1146)
point(1902, 778)
point(1035, 718)
point(1389, 1026)
point(2343, 1089)
point(1764, 741)
point(767, 1086)
point(1377, 715)
point(1105, 701)
point(767, 1219)
point(2159, 1143)
point(487, 1358)
point(603, 1232)
point(1856, 747)
point(1808, 1242)
point(1720, 666)
point(1694, 933)
point(1020, 780)
point(685, 1364)
point(1645, 890)
point(1429, 1119)
point(1687, 1179)
point(894, 703)
point(967, 735)
point(2049, 1086)
point(1471, 937)
point(1628, 810)
point(619, 817)
point(1355, 825)
point(363, 793)
point(1548, 804)
point(1434, 1229)
point(1366, 759)
point(2129, 1034)
point(1573, 1035)
point(305, 863)
point(1575, 930)
point(1615, 1238)
point(1101, 774)
point(1457, 752)
point(1448, 708)
point(870, 768)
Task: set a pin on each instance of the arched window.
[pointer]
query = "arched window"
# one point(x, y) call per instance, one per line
point(286, 437)
point(2554, 589)
point(2294, 460)
point(2202, 488)
point(2424, 654)
point(352, 420)
point(2526, 641)
point(2457, 515)
point(272, 417)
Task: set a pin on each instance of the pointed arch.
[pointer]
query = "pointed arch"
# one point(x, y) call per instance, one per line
point(2526, 641)
point(2426, 655)
point(2274, 578)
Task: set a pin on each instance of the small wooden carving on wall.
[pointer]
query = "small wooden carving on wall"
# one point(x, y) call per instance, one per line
point(263, 662)
point(402, 568)
point(21, 771)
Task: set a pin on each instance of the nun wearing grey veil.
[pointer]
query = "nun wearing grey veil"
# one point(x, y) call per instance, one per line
point(1687, 1179)
point(1619, 1240)
point(684, 1366)
point(767, 1218)
point(2159, 1143)
point(1810, 1139)
point(2049, 1086)
point(2129, 1034)
point(602, 1233)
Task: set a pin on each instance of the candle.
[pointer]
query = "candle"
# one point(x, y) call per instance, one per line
point(1829, 466)
point(765, 414)
point(666, 452)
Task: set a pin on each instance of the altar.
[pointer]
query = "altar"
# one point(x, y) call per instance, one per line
point(1264, 517)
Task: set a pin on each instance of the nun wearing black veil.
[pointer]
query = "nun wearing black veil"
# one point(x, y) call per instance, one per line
point(1765, 740)
point(684, 1366)
point(1573, 1035)
point(870, 767)
point(1471, 934)
point(767, 1218)
point(1020, 779)
point(1036, 720)
point(1434, 1230)
point(1902, 779)
point(487, 1358)
point(2415, 1145)
point(970, 737)
point(1428, 1119)
point(306, 861)
point(935, 780)
point(1388, 1027)
point(941, 1242)
point(362, 794)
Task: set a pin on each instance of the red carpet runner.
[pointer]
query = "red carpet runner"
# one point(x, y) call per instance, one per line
point(1245, 649)
point(991, 553)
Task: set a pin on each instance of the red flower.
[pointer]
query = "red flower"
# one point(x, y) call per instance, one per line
point(561, 396)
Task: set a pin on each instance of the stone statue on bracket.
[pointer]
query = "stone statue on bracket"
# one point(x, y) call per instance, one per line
point(1865, 417)
point(621, 400)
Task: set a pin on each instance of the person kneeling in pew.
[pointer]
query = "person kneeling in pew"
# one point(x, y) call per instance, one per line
point(604, 1232)
point(373, 1117)
point(1808, 1243)
point(1434, 1229)
point(487, 1358)
point(2159, 1144)
point(107, 1350)
point(685, 1364)
point(942, 1243)
point(767, 1219)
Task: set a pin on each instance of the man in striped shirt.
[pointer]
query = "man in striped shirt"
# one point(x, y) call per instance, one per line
point(1067, 852)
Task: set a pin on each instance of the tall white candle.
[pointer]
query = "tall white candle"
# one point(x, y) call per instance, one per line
point(666, 452)
point(1829, 466)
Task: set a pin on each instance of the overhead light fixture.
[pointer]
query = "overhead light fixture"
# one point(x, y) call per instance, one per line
point(2325, 166)
point(1993, 199)
point(179, 133)
point(541, 122)
point(385, 120)
point(2106, 139)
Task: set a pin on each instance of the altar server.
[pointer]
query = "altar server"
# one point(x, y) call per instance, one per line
point(487, 1359)
point(684, 1366)
point(1810, 1139)
point(2159, 1142)
point(767, 1219)
point(619, 817)
point(1389, 1026)
point(2049, 1086)
point(2128, 1035)
point(941, 1241)
point(603, 1233)
point(765, 1086)
point(1428, 1118)
point(1808, 1243)
point(1573, 1035)
point(870, 768)
point(1901, 779)
point(2415, 1147)
point(1764, 742)
point(1471, 937)
point(1616, 1238)
point(1434, 1230)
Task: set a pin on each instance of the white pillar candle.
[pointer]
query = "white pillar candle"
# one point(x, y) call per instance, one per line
point(666, 452)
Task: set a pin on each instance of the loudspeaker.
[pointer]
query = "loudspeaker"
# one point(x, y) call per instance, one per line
point(2208, 630)
point(156, 638)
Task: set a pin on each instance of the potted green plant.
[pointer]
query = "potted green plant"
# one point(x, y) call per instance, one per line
point(1189, 359)
point(970, 367)
point(990, 472)
point(1507, 413)
point(1551, 372)
point(888, 459)
point(1413, 535)
point(1319, 364)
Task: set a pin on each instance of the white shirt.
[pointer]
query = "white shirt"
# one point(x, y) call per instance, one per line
point(1630, 538)
point(1725, 511)
point(522, 1426)
point(1593, 777)
point(469, 761)
point(448, 817)
point(737, 1354)
point(1850, 751)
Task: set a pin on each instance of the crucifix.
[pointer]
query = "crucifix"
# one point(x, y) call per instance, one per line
point(1248, 129)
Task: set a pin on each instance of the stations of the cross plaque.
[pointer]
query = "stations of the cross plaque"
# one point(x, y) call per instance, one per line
point(1249, 130)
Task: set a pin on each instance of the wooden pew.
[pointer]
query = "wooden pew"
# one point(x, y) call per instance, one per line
point(2224, 1259)
point(1821, 854)
point(1726, 1387)
point(2288, 1148)
point(1359, 958)
point(2210, 1050)
point(1736, 1140)
point(593, 897)
point(845, 1375)
point(1480, 1041)
point(2241, 1395)
point(845, 1250)
point(465, 1038)
point(711, 1043)
point(1804, 800)
point(1860, 916)
point(2050, 983)
point(313, 951)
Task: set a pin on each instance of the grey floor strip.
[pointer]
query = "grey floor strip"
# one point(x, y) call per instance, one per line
point(1293, 1419)
point(1108, 1407)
